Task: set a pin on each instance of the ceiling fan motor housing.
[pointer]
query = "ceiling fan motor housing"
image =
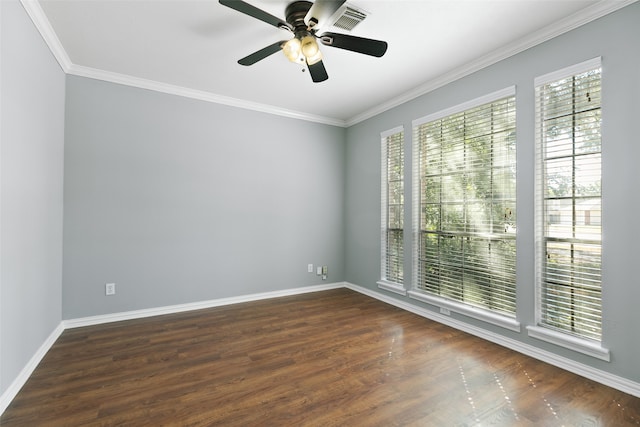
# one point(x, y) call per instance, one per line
point(295, 14)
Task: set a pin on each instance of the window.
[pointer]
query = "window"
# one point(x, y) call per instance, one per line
point(392, 198)
point(465, 207)
point(568, 192)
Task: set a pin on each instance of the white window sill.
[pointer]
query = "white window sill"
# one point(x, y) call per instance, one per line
point(590, 348)
point(392, 287)
point(476, 313)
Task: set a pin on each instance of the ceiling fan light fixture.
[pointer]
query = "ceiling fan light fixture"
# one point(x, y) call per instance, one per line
point(315, 58)
point(309, 46)
point(292, 50)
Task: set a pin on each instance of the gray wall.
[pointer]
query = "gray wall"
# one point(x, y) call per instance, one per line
point(615, 38)
point(32, 140)
point(178, 200)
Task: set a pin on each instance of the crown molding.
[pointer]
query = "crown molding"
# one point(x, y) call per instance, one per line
point(127, 80)
point(40, 20)
point(598, 10)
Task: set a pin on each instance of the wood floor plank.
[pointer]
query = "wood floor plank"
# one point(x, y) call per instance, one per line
point(332, 358)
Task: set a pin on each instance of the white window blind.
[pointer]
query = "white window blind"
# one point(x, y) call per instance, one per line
point(465, 204)
point(568, 192)
point(392, 205)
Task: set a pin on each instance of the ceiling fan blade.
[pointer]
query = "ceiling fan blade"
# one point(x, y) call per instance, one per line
point(355, 44)
point(318, 72)
point(321, 11)
point(254, 12)
point(262, 53)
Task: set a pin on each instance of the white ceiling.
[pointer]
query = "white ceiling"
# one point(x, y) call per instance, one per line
point(191, 47)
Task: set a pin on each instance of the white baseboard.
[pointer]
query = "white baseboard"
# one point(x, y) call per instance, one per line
point(586, 371)
point(178, 308)
point(597, 375)
point(13, 389)
point(27, 371)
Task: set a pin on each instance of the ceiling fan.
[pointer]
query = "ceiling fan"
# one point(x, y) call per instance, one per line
point(304, 19)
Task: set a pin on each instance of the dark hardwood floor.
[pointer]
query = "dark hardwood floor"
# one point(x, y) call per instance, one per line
point(333, 358)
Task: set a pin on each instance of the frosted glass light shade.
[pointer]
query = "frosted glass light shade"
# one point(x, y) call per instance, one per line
point(292, 50)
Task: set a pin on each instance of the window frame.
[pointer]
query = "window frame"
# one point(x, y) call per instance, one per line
point(447, 305)
point(540, 330)
point(385, 282)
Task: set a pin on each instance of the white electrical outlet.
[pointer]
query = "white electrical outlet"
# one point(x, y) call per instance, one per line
point(445, 311)
point(319, 271)
point(309, 268)
point(110, 289)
